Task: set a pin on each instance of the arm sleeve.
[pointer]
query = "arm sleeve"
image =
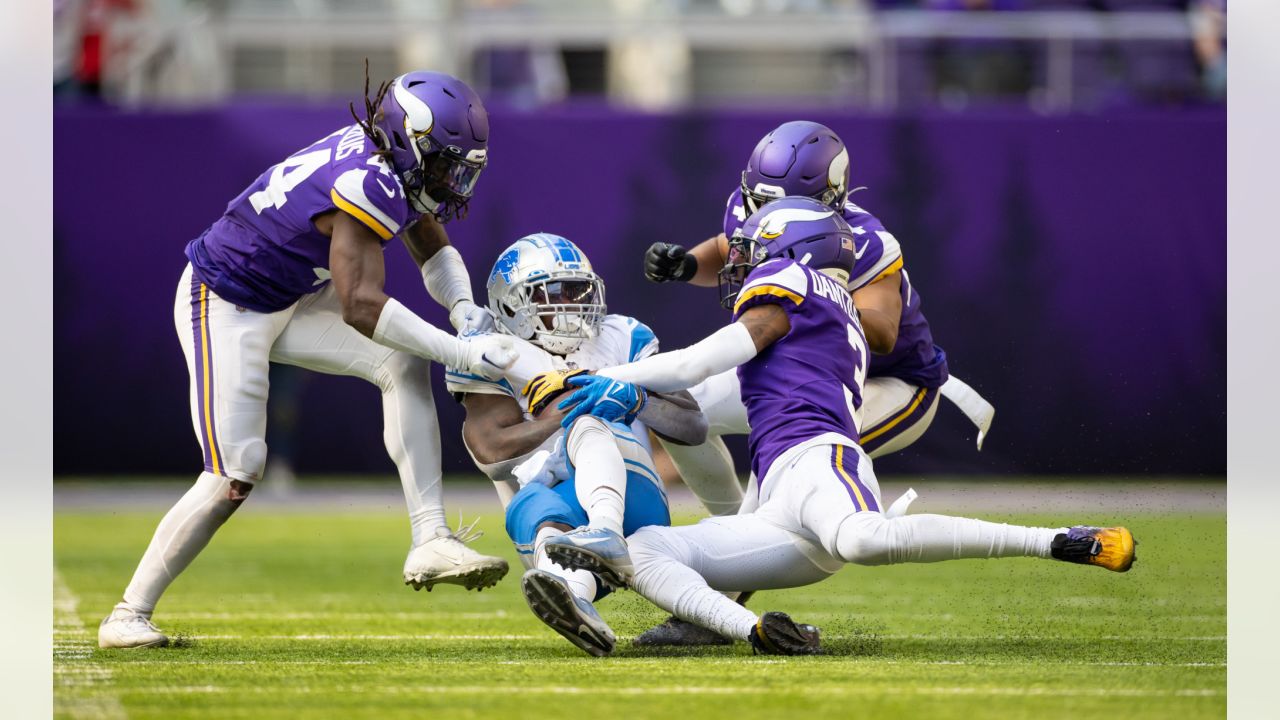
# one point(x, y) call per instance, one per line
point(398, 327)
point(446, 278)
point(723, 350)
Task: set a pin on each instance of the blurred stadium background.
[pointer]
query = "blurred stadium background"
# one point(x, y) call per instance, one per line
point(1055, 171)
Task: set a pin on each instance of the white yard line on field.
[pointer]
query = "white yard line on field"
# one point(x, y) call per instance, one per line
point(81, 689)
point(503, 614)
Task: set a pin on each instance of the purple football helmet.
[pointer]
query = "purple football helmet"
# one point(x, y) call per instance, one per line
point(438, 134)
point(797, 158)
point(801, 228)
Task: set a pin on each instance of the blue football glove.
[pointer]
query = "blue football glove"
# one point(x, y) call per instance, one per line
point(608, 399)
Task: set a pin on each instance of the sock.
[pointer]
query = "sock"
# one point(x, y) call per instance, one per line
point(185, 530)
point(411, 434)
point(869, 538)
point(600, 475)
point(581, 582)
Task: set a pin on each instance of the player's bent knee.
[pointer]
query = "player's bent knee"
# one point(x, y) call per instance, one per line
point(864, 539)
point(586, 425)
point(533, 508)
point(246, 465)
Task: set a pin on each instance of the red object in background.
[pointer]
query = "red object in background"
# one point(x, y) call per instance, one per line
point(96, 13)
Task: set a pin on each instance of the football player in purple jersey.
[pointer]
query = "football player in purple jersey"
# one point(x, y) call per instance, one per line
point(801, 355)
point(907, 370)
point(293, 273)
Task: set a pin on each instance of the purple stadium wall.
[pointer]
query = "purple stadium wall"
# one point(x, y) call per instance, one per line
point(1074, 268)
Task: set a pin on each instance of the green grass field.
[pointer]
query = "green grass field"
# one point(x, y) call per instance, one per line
point(303, 615)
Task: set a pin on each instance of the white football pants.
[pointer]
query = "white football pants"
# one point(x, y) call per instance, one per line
point(894, 415)
point(819, 507)
point(228, 351)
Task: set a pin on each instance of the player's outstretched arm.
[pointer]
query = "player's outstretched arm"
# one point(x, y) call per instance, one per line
point(355, 262)
point(664, 262)
point(495, 429)
point(444, 273)
point(879, 310)
point(756, 329)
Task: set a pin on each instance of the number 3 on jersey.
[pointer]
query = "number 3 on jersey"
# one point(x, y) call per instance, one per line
point(286, 176)
point(858, 343)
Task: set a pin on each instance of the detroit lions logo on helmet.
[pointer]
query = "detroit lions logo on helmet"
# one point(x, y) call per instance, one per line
point(506, 265)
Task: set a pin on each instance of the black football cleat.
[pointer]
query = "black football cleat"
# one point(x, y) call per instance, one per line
point(675, 632)
point(777, 634)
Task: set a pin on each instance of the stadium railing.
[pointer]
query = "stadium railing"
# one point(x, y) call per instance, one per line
point(197, 55)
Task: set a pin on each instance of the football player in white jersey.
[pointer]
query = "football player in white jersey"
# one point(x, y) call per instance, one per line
point(590, 478)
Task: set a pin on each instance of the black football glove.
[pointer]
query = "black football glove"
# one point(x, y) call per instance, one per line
point(664, 262)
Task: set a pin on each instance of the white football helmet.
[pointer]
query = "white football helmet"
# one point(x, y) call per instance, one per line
point(542, 289)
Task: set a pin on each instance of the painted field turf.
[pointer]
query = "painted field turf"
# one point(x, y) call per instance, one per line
point(298, 615)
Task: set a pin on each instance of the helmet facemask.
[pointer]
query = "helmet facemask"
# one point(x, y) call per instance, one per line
point(557, 312)
point(744, 254)
point(444, 179)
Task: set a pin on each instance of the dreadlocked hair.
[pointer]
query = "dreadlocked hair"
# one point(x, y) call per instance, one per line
point(373, 113)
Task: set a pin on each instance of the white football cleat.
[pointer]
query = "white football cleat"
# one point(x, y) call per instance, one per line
point(446, 558)
point(125, 628)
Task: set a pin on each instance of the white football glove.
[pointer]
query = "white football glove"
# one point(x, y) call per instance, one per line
point(470, 319)
point(489, 355)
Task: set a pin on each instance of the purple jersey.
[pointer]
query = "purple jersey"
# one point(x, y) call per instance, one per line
point(808, 382)
point(264, 253)
point(914, 358)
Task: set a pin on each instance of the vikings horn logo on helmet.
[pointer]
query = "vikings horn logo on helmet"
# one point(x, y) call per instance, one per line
point(775, 223)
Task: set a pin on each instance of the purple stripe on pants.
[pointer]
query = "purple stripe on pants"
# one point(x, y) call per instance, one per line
point(849, 464)
point(208, 433)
